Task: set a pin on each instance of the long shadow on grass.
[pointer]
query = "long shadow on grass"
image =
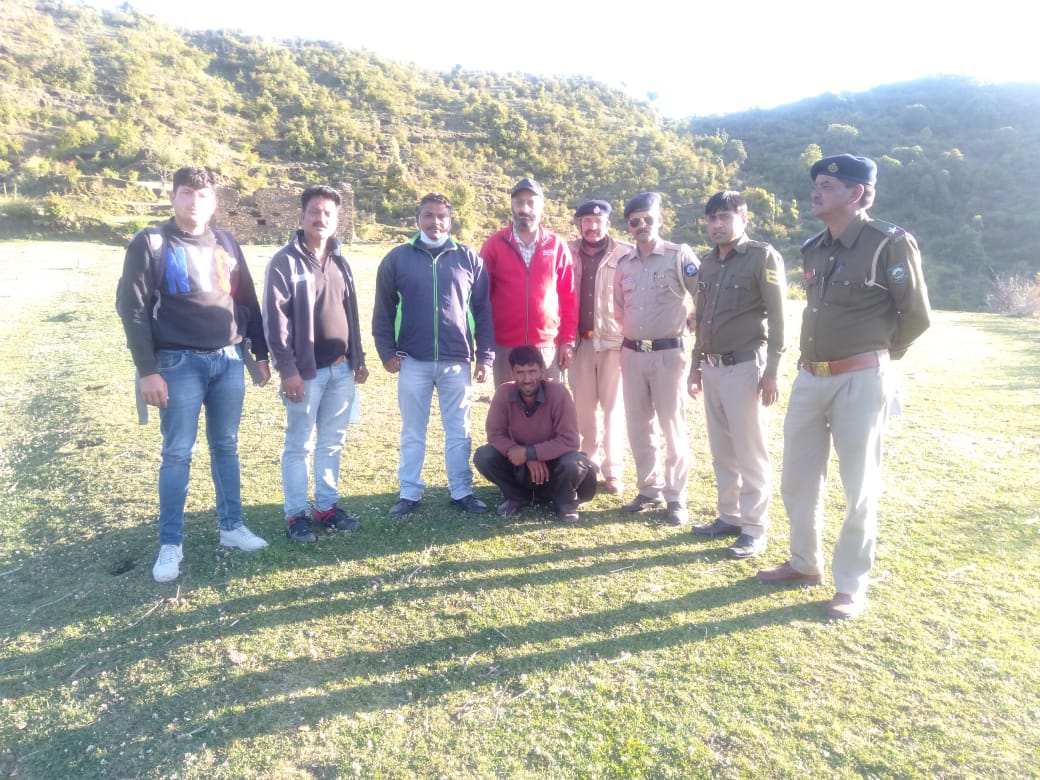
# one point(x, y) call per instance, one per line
point(585, 567)
point(371, 680)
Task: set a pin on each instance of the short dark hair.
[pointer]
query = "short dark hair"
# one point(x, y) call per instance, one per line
point(526, 356)
point(730, 200)
point(322, 191)
point(432, 197)
point(195, 178)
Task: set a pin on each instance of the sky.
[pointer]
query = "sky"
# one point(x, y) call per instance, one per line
point(697, 58)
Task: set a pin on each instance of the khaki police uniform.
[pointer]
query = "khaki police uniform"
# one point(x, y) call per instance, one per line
point(595, 371)
point(650, 303)
point(740, 338)
point(866, 302)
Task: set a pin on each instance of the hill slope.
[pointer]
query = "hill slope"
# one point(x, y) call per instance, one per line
point(91, 103)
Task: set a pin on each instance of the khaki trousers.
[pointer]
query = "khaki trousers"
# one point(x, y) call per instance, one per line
point(654, 385)
point(595, 379)
point(737, 435)
point(851, 410)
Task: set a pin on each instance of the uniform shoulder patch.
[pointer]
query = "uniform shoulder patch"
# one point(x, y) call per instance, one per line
point(897, 274)
point(690, 269)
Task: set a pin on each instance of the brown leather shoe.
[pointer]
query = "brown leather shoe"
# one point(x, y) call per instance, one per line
point(612, 485)
point(786, 574)
point(843, 606)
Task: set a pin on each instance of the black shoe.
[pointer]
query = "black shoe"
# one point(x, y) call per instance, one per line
point(336, 519)
point(511, 507)
point(677, 515)
point(718, 527)
point(568, 513)
point(470, 504)
point(404, 506)
point(746, 546)
point(299, 529)
point(642, 503)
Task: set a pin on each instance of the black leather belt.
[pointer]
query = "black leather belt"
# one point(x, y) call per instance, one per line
point(652, 345)
point(728, 358)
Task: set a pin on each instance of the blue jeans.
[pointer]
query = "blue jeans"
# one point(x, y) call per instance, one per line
point(415, 386)
point(326, 404)
point(214, 380)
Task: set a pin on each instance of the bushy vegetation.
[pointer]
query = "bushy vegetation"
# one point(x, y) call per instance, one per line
point(100, 107)
point(1015, 295)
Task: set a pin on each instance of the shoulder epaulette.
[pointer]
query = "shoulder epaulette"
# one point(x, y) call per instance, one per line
point(813, 239)
point(758, 244)
point(894, 232)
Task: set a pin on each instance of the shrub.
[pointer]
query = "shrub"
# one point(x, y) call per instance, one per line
point(1015, 295)
point(17, 208)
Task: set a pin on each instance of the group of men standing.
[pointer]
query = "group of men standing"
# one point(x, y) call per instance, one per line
point(527, 308)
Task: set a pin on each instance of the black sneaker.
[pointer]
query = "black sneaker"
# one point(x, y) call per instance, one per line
point(403, 506)
point(336, 519)
point(299, 529)
point(470, 504)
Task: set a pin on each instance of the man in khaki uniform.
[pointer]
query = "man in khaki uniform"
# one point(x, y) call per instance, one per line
point(595, 372)
point(651, 285)
point(740, 315)
point(866, 303)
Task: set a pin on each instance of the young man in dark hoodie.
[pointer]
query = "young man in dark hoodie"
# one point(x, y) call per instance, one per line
point(187, 303)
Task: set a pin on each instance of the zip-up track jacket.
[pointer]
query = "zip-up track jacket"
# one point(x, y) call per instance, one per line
point(432, 304)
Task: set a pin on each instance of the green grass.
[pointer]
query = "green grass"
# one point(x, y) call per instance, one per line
point(452, 646)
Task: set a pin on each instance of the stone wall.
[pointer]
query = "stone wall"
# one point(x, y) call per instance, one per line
point(271, 214)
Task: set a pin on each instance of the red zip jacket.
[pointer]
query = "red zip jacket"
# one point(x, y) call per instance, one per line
point(536, 305)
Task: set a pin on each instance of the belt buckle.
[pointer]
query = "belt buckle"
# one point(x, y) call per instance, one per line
point(646, 345)
point(820, 369)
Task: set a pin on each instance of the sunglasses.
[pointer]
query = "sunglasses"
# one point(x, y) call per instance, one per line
point(637, 221)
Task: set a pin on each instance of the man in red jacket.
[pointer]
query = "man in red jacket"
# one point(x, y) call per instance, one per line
point(533, 300)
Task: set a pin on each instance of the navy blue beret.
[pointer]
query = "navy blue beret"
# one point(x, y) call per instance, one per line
point(593, 208)
point(858, 170)
point(644, 201)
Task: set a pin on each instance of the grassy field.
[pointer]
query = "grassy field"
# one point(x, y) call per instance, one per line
point(452, 646)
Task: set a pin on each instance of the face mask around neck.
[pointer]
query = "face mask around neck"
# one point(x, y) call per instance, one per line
point(430, 242)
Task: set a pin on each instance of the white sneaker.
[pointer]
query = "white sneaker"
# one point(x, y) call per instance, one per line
point(242, 538)
point(167, 565)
